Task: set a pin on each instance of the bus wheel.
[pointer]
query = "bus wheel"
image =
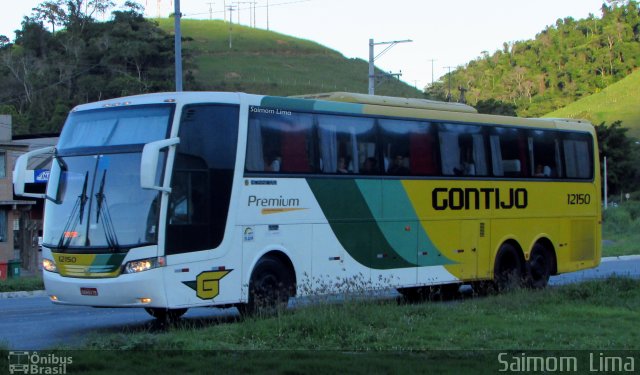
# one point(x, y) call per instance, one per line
point(539, 267)
point(167, 315)
point(507, 273)
point(269, 288)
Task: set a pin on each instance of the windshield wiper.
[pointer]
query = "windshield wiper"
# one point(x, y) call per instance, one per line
point(75, 218)
point(107, 222)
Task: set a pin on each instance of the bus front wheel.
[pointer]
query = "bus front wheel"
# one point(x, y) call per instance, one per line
point(507, 273)
point(165, 314)
point(269, 288)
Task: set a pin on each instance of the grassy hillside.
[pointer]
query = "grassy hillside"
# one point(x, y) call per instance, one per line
point(265, 62)
point(619, 101)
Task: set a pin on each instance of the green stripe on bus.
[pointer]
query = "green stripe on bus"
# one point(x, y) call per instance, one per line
point(338, 107)
point(113, 260)
point(354, 225)
point(292, 104)
point(398, 221)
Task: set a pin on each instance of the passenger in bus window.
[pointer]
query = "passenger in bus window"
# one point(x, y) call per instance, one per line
point(467, 166)
point(398, 167)
point(539, 171)
point(370, 166)
point(274, 165)
point(342, 165)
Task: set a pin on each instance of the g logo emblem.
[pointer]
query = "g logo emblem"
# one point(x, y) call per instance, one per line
point(208, 283)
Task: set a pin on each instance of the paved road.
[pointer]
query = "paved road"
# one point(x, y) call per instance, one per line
point(33, 323)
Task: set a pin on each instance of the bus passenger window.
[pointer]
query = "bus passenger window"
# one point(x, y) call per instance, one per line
point(279, 142)
point(345, 144)
point(509, 152)
point(408, 148)
point(544, 154)
point(462, 150)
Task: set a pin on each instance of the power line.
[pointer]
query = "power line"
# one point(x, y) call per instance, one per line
point(248, 8)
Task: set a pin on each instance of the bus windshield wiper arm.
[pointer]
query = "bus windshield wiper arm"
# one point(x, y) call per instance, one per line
point(83, 196)
point(107, 223)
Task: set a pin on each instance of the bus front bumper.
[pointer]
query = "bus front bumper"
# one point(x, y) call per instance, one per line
point(143, 289)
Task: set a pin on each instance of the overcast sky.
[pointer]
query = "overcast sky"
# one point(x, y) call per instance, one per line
point(450, 32)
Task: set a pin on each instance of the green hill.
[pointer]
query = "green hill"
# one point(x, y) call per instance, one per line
point(266, 62)
point(619, 101)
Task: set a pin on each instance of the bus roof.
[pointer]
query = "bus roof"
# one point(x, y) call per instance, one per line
point(390, 101)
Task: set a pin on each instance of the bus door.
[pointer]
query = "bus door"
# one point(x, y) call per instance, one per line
point(201, 184)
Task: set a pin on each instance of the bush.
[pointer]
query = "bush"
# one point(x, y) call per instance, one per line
point(617, 220)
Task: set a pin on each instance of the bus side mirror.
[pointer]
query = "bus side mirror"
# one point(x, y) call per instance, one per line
point(20, 172)
point(149, 163)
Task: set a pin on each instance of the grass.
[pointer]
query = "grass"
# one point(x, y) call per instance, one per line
point(384, 336)
point(265, 62)
point(595, 314)
point(621, 229)
point(22, 284)
point(619, 101)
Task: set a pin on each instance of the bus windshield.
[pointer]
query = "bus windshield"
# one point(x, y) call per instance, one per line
point(119, 126)
point(98, 203)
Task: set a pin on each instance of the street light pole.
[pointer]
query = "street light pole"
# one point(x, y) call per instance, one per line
point(372, 58)
point(178, 46)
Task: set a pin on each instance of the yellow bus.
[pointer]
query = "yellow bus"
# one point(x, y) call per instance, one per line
point(175, 200)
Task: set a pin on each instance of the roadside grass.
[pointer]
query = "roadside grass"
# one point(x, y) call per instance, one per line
point(364, 336)
point(595, 314)
point(27, 283)
point(621, 230)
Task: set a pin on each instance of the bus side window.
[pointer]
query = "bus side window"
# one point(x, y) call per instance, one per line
point(577, 156)
point(408, 148)
point(346, 144)
point(544, 154)
point(462, 150)
point(509, 152)
point(280, 143)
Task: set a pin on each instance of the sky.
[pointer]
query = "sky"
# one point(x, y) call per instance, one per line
point(451, 33)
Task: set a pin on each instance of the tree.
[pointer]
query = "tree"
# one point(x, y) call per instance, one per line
point(496, 107)
point(45, 74)
point(51, 12)
point(622, 156)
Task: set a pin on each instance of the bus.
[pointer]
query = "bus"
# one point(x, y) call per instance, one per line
point(168, 201)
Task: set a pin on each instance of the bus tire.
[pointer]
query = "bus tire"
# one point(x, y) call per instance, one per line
point(507, 272)
point(165, 315)
point(539, 267)
point(269, 288)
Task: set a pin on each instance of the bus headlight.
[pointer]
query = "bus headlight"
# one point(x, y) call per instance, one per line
point(141, 265)
point(49, 265)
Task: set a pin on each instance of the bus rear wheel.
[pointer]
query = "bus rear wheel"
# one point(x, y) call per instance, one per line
point(269, 288)
point(507, 273)
point(539, 267)
point(169, 315)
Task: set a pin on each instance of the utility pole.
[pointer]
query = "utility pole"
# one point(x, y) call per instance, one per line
point(372, 58)
point(449, 96)
point(210, 10)
point(267, 15)
point(178, 45)
point(432, 60)
point(230, 8)
point(250, 9)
